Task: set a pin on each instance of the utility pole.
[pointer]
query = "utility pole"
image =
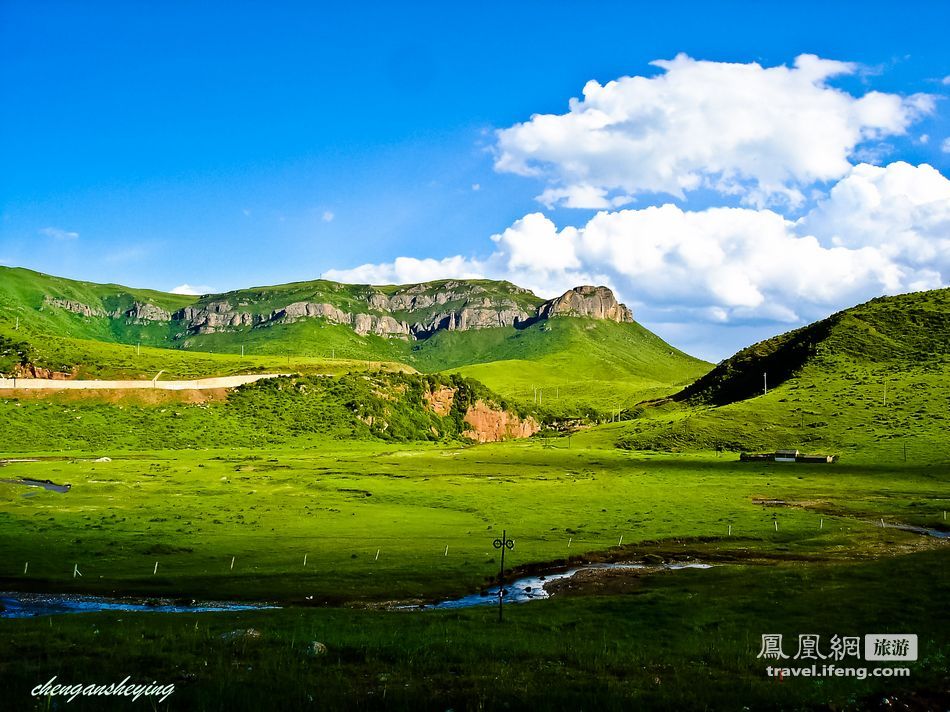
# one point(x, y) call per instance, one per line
point(503, 543)
point(17, 327)
point(765, 384)
point(138, 349)
point(242, 350)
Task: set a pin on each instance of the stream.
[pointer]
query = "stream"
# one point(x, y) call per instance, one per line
point(531, 588)
point(30, 605)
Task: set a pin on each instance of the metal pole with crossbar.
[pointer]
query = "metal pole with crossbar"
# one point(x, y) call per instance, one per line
point(503, 543)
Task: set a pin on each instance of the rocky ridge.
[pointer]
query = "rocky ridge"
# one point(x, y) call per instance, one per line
point(413, 312)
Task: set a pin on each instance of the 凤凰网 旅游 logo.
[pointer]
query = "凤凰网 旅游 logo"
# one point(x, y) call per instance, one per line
point(883, 647)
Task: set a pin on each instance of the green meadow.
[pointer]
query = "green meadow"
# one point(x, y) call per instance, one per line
point(381, 523)
point(685, 640)
point(192, 512)
point(341, 495)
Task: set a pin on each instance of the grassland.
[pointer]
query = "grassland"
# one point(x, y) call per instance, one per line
point(193, 511)
point(684, 641)
point(374, 521)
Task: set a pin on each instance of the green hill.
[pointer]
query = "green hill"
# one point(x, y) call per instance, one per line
point(873, 379)
point(298, 411)
point(570, 366)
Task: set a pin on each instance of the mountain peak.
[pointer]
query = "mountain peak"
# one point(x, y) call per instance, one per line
point(587, 301)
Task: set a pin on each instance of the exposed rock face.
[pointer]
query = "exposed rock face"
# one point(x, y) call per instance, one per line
point(593, 302)
point(472, 308)
point(74, 307)
point(440, 401)
point(362, 323)
point(486, 422)
point(143, 312)
point(490, 424)
point(469, 318)
point(213, 317)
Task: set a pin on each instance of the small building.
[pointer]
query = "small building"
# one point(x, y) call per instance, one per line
point(787, 456)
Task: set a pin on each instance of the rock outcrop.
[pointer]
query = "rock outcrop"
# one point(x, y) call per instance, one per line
point(73, 306)
point(485, 422)
point(490, 424)
point(142, 313)
point(587, 301)
point(213, 317)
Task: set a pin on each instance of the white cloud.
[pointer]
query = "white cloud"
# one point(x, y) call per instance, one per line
point(59, 234)
point(903, 211)
point(879, 230)
point(946, 81)
point(193, 289)
point(405, 270)
point(945, 146)
point(476, 187)
point(327, 216)
point(764, 133)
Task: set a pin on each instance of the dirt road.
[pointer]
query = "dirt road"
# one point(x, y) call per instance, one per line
point(198, 384)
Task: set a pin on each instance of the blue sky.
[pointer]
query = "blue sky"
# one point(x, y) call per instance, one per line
point(234, 144)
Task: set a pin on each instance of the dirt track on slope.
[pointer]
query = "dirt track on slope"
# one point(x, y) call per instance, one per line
point(26, 384)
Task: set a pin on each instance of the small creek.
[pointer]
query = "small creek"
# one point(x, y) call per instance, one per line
point(531, 588)
point(29, 605)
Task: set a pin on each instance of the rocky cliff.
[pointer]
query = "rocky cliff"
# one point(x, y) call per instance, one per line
point(415, 311)
point(587, 301)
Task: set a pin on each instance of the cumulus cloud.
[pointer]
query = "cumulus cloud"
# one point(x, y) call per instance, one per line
point(404, 270)
point(879, 230)
point(945, 146)
point(902, 211)
point(763, 133)
point(328, 216)
point(59, 234)
point(193, 289)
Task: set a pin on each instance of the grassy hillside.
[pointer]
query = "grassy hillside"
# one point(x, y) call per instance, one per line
point(576, 367)
point(292, 410)
point(873, 378)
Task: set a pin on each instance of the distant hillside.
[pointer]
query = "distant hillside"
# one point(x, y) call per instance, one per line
point(909, 328)
point(583, 347)
point(870, 381)
point(567, 367)
point(108, 312)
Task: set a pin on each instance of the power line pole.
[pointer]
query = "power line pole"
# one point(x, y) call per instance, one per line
point(765, 384)
point(503, 543)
